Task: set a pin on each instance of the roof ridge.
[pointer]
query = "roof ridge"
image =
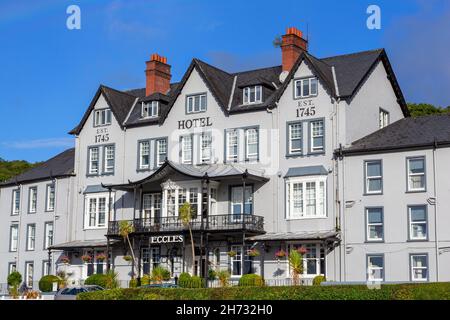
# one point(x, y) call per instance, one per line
point(352, 54)
point(116, 90)
point(258, 69)
point(210, 65)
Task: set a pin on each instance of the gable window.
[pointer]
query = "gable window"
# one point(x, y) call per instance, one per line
point(31, 237)
point(374, 178)
point(419, 267)
point(108, 166)
point(306, 197)
point(252, 95)
point(317, 136)
point(416, 174)
point(48, 234)
point(161, 151)
point(16, 202)
point(305, 88)
point(196, 103)
point(13, 237)
point(232, 145)
point(383, 118)
point(32, 205)
point(96, 211)
point(295, 138)
point(102, 117)
point(251, 144)
point(149, 109)
point(374, 220)
point(375, 267)
point(206, 142)
point(186, 149)
point(50, 201)
point(93, 167)
point(144, 155)
point(417, 217)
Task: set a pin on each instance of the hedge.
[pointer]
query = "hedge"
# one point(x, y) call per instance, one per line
point(339, 292)
point(97, 279)
point(251, 280)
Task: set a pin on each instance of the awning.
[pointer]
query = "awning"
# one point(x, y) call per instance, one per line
point(306, 171)
point(207, 171)
point(80, 244)
point(283, 236)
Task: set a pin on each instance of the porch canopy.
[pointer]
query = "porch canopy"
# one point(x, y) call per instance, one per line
point(205, 171)
point(80, 244)
point(292, 236)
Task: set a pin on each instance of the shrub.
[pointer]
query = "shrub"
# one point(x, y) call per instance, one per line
point(224, 277)
point(14, 279)
point(46, 283)
point(97, 279)
point(212, 274)
point(160, 274)
point(133, 283)
point(251, 280)
point(318, 280)
point(111, 280)
point(196, 282)
point(184, 280)
point(145, 280)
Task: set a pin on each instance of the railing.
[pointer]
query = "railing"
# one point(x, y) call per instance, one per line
point(224, 222)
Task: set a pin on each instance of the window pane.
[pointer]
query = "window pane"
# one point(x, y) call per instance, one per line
point(310, 198)
point(313, 86)
point(416, 166)
point(246, 95)
point(418, 214)
point(203, 102)
point(419, 230)
point(375, 215)
point(376, 261)
point(297, 198)
point(306, 87)
point(298, 88)
point(258, 93)
point(373, 169)
point(374, 184)
point(376, 232)
point(419, 261)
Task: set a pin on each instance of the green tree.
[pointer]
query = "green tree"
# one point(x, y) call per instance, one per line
point(125, 228)
point(424, 109)
point(9, 169)
point(186, 214)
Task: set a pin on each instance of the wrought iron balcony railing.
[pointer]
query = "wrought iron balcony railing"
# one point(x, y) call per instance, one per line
point(226, 222)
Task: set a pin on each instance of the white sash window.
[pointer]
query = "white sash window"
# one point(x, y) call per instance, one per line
point(206, 142)
point(93, 160)
point(306, 197)
point(186, 149)
point(97, 209)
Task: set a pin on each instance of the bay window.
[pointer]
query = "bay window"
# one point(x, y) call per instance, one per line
point(416, 173)
point(373, 177)
point(306, 197)
point(97, 209)
point(418, 225)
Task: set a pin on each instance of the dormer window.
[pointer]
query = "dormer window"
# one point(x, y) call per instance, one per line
point(196, 103)
point(252, 94)
point(304, 88)
point(102, 117)
point(149, 109)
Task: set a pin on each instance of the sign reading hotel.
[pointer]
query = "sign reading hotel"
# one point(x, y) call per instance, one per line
point(167, 239)
point(194, 123)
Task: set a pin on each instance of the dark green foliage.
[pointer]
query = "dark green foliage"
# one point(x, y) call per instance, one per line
point(9, 169)
point(184, 279)
point(133, 283)
point(97, 279)
point(423, 109)
point(212, 274)
point(318, 280)
point(46, 283)
point(14, 279)
point(425, 291)
point(251, 280)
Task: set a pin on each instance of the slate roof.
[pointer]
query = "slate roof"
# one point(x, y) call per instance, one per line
point(407, 133)
point(301, 235)
point(350, 72)
point(61, 165)
point(81, 244)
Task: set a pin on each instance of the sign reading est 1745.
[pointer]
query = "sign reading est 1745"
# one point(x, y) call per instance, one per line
point(306, 108)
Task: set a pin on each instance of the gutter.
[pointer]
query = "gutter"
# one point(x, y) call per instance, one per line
point(356, 152)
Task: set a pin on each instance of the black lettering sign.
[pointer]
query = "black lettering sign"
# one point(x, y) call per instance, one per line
point(305, 108)
point(194, 123)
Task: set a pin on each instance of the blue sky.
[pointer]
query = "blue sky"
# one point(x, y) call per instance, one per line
point(49, 74)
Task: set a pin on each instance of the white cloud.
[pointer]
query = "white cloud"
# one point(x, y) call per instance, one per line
point(39, 143)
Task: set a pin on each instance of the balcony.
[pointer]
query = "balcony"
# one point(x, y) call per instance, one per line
point(214, 223)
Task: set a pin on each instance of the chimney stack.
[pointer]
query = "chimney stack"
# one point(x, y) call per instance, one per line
point(292, 45)
point(158, 75)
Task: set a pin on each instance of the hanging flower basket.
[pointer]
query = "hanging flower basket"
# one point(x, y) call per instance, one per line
point(86, 258)
point(100, 257)
point(253, 253)
point(64, 259)
point(232, 253)
point(127, 258)
point(302, 250)
point(280, 254)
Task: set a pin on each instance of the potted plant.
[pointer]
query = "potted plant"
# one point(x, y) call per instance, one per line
point(253, 252)
point(280, 254)
point(100, 257)
point(64, 259)
point(232, 253)
point(86, 258)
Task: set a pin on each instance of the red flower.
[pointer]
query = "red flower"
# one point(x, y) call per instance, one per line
point(302, 250)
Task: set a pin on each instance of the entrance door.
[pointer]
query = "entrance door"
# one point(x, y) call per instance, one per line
point(238, 207)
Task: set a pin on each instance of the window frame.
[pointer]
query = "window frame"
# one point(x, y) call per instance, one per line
point(382, 121)
point(241, 203)
point(90, 161)
point(410, 222)
point(246, 95)
point(409, 175)
point(46, 265)
point(311, 137)
point(33, 238)
point(26, 273)
point(301, 80)
point(158, 163)
point(192, 96)
point(366, 177)
point(15, 191)
point(235, 157)
point(46, 237)
point(11, 269)
point(367, 224)
point(183, 155)
point(368, 256)
point(15, 226)
point(251, 157)
point(139, 153)
point(48, 192)
point(209, 137)
point(411, 267)
point(109, 209)
point(30, 200)
point(289, 197)
point(289, 150)
point(152, 109)
point(242, 253)
point(107, 117)
point(105, 167)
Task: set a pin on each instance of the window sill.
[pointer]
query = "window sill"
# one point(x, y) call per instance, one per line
point(94, 228)
point(316, 153)
point(295, 155)
point(373, 194)
point(374, 241)
point(416, 191)
point(306, 218)
point(418, 240)
point(305, 97)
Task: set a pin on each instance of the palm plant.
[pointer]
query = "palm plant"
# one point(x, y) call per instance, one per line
point(295, 259)
point(186, 216)
point(125, 228)
point(160, 274)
